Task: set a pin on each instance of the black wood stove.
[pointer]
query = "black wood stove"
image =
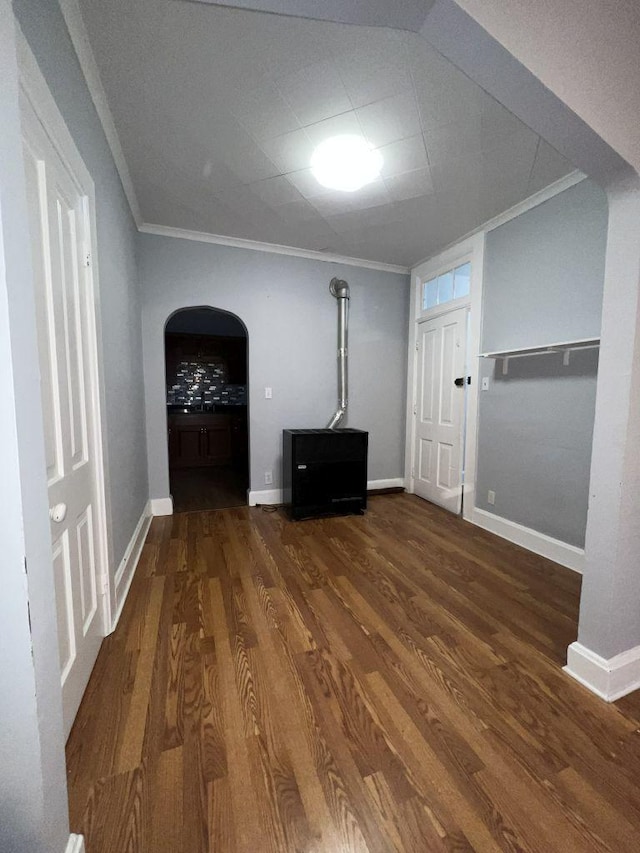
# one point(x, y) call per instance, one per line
point(324, 471)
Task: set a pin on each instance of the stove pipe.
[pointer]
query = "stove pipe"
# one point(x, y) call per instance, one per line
point(340, 289)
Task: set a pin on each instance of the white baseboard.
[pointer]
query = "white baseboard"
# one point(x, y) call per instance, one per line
point(161, 506)
point(394, 483)
point(610, 678)
point(267, 496)
point(127, 567)
point(553, 549)
point(75, 844)
point(274, 496)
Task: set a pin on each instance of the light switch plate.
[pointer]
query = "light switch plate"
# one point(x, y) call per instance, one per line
point(268, 393)
point(485, 383)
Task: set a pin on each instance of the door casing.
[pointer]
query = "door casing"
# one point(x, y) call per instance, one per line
point(469, 250)
point(36, 96)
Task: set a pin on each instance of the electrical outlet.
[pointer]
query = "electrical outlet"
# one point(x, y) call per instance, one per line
point(268, 478)
point(491, 497)
point(268, 393)
point(485, 383)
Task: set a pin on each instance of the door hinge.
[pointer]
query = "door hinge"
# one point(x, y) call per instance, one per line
point(103, 584)
point(87, 259)
point(413, 472)
point(417, 345)
point(415, 408)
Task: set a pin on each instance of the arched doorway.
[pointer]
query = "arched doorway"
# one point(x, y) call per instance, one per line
point(207, 404)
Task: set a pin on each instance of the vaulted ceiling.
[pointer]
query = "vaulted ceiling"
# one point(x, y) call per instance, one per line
point(218, 111)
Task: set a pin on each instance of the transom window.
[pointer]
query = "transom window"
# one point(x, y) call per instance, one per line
point(450, 285)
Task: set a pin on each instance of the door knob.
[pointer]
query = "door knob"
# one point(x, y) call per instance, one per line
point(460, 381)
point(58, 512)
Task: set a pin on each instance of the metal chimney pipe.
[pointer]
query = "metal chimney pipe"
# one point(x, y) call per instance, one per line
point(340, 289)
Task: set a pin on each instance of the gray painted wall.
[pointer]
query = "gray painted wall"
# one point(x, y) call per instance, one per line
point(291, 319)
point(543, 282)
point(544, 272)
point(45, 30)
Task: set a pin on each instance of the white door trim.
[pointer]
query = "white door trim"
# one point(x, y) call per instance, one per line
point(36, 91)
point(471, 250)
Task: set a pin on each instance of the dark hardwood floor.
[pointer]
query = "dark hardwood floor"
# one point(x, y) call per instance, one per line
point(382, 683)
point(209, 487)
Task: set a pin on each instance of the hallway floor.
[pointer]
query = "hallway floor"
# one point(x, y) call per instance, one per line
point(389, 682)
point(213, 487)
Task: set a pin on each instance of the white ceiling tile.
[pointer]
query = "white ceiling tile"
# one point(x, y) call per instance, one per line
point(499, 121)
point(344, 124)
point(410, 184)
point(451, 141)
point(242, 201)
point(460, 173)
point(263, 111)
point(331, 203)
point(336, 202)
point(306, 183)
point(296, 211)
point(290, 152)
point(241, 154)
point(511, 163)
point(371, 195)
point(403, 156)
point(390, 119)
point(375, 69)
point(315, 92)
point(549, 166)
point(311, 234)
point(275, 191)
point(198, 95)
point(361, 220)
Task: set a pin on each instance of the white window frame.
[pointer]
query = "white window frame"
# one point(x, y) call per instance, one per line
point(471, 251)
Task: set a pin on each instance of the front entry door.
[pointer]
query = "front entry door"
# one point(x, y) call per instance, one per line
point(440, 409)
point(60, 241)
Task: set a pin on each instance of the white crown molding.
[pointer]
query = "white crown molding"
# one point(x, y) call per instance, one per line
point(518, 209)
point(611, 678)
point(273, 248)
point(539, 543)
point(80, 40)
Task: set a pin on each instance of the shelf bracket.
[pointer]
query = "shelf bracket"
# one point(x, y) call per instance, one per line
point(505, 366)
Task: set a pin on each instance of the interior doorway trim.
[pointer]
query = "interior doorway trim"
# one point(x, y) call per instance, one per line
point(469, 250)
point(167, 505)
point(34, 88)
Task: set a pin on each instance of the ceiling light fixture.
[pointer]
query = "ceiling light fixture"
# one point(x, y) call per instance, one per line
point(345, 163)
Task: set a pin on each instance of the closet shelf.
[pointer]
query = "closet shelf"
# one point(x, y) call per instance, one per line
point(565, 347)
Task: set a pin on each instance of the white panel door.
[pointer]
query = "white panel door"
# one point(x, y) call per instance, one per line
point(60, 238)
point(440, 408)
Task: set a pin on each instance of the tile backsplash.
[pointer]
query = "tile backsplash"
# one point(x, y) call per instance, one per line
point(203, 382)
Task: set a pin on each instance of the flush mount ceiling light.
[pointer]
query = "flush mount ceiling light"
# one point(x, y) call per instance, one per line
point(345, 163)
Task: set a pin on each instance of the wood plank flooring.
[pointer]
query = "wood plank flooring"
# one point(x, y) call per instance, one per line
point(382, 683)
point(209, 487)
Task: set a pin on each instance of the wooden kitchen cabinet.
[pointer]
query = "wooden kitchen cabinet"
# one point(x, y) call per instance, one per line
point(198, 440)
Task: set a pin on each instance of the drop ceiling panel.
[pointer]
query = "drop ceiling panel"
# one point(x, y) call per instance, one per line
point(219, 110)
point(390, 119)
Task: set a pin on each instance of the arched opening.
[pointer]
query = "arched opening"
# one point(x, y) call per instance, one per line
point(206, 369)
